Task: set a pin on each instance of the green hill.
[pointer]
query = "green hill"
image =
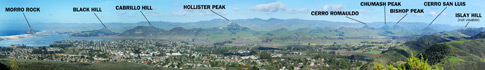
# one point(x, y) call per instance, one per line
point(94, 33)
point(457, 49)
point(479, 35)
point(143, 31)
point(459, 54)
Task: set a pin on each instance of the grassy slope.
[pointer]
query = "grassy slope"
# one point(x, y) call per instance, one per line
point(397, 55)
point(463, 58)
point(372, 52)
point(464, 54)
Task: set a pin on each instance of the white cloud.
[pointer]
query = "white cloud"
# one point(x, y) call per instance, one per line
point(296, 10)
point(179, 13)
point(236, 9)
point(432, 13)
point(122, 12)
point(125, 13)
point(420, 14)
point(155, 13)
point(130, 15)
point(270, 7)
point(397, 15)
point(332, 7)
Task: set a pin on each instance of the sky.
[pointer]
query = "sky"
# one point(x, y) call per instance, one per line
point(60, 11)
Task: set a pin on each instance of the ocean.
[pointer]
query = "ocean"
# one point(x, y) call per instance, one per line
point(38, 39)
point(12, 32)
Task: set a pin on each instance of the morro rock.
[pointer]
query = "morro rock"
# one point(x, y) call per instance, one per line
point(31, 31)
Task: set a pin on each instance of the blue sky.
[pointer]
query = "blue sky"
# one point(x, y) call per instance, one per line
point(60, 11)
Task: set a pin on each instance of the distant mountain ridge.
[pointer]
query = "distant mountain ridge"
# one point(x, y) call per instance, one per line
point(237, 31)
point(180, 31)
point(234, 31)
point(256, 24)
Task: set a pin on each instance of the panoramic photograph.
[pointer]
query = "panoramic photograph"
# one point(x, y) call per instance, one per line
point(242, 35)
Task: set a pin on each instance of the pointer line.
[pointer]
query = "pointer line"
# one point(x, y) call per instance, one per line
point(467, 24)
point(437, 16)
point(356, 20)
point(220, 15)
point(100, 20)
point(145, 18)
point(401, 19)
point(385, 22)
point(27, 20)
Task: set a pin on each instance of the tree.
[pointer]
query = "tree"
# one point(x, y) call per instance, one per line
point(378, 66)
point(13, 64)
point(390, 67)
point(264, 55)
point(36, 51)
point(352, 58)
point(420, 64)
point(436, 53)
point(254, 68)
point(253, 52)
point(332, 52)
point(136, 51)
point(413, 64)
point(359, 64)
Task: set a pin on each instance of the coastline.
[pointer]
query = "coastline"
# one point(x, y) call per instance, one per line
point(39, 39)
point(13, 37)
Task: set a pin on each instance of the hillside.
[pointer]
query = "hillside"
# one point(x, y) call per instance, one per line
point(458, 54)
point(143, 31)
point(479, 35)
point(458, 48)
point(94, 33)
point(228, 32)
